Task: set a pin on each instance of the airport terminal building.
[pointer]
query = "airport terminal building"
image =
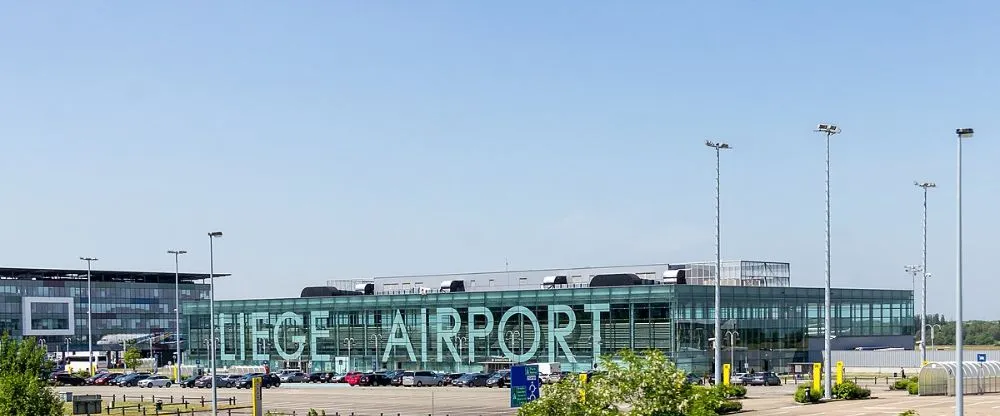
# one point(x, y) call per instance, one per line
point(477, 321)
point(51, 305)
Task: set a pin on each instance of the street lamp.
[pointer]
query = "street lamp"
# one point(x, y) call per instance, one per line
point(828, 130)
point(963, 133)
point(350, 342)
point(512, 333)
point(718, 146)
point(923, 287)
point(932, 332)
point(90, 331)
point(376, 338)
point(463, 340)
point(211, 311)
point(177, 306)
point(732, 334)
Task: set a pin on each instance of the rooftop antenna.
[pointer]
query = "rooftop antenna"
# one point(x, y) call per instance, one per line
point(506, 269)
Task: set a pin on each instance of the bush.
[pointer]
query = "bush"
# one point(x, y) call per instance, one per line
point(903, 384)
point(813, 397)
point(732, 390)
point(850, 391)
point(729, 406)
point(910, 412)
point(913, 388)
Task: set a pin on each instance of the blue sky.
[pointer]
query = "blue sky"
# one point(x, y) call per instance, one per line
point(349, 139)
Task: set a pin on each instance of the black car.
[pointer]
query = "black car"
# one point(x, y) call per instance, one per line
point(266, 381)
point(499, 379)
point(764, 379)
point(68, 379)
point(189, 382)
point(471, 380)
point(374, 379)
point(133, 379)
point(448, 378)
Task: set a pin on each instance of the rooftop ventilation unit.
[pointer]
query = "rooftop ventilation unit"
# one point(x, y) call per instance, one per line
point(453, 286)
point(549, 282)
point(674, 277)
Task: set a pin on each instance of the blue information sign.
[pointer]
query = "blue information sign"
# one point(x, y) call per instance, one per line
point(525, 385)
point(197, 362)
point(981, 358)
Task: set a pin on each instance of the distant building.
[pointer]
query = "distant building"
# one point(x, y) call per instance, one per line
point(51, 305)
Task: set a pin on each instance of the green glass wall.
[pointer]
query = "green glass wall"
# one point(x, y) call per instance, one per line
point(462, 331)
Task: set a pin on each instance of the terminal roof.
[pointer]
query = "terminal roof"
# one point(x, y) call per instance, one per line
point(100, 275)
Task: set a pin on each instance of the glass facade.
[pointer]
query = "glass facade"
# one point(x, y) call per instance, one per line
point(464, 331)
point(56, 310)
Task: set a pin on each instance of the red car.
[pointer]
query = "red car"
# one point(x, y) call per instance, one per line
point(352, 378)
point(103, 380)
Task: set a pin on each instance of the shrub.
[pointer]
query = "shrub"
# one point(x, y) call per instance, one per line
point(729, 406)
point(913, 388)
point(900, 384)
point(813, 397)
point(910, 412)
point(732, 390)
point(850, 391)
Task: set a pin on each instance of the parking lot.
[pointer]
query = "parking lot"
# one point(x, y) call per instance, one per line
point(373, 401)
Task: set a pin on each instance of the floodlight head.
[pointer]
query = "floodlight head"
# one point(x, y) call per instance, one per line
point(215, 234)
point(828, 128)
point(964, 133)
point(717, 145)
point(925, 184)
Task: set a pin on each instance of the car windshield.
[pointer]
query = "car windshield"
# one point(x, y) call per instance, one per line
point(467, 377)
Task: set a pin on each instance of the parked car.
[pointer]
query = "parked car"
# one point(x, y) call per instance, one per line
point(206, 382)
point(68, 379)
point(317, 377)
point(296, 377)
point(106, 379)
point(266, 381)
point(397, 379)
point(500, 379)
point(422, 378)
point(133, 379)
point(90, 380)
point(471, 380)
point(764, 379)
point(448, 378)
point(189, 382)
point(337, 378)
point(155, 381)
point(352, 378)
point(374, 379)
point(232, 379)
point(694, 379)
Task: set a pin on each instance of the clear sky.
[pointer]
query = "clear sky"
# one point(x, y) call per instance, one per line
point(334, 140)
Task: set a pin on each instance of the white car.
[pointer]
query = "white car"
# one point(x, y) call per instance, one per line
point(155, 381)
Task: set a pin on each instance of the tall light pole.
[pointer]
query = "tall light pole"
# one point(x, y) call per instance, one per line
point(915, 270)
point(963, 133)
point(211, 311)
point(828, 130)
point(923, 286)
point(90, 326)
point(718, 146)
point(349, 341)
point(376, 338)
point(732, 347)
point(177, 307)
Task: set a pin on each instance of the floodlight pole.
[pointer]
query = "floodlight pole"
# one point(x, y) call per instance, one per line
point(828, 130)
point(962, 133)
point(177, 308)
point(211, 312)
point(718, 146)
point(923, 287)
point(90, 326)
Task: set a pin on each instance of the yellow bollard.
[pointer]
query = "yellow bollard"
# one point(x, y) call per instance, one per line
point(817, 369)
point(840, 372)
point(725, 374)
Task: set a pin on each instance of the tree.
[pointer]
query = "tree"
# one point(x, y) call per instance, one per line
point(23, 391)
point(634, 385)
point(132, 357)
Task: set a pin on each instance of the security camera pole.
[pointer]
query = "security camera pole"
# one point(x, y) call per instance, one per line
point(718, 146)
point(923, 287)
point(963, 134)
point(828, 130)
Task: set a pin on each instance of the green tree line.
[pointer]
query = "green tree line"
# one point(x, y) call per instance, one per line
point(975, 332)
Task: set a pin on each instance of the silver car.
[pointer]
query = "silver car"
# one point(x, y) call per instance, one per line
point(155, 381)
point(296, 377)
point(422, 378)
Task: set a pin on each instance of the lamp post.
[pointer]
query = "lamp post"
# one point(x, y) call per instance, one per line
point(828, 130)
point(963, 133)
point(211, 312)
point(376, 338)
point(350, 342)
point(512, 333)
point(177, 307)
point(932, 332)
point(90, 330)
point(66, 354)
point(463, 340)
point(923, 264)
point(732, 334)
point(718, 146)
